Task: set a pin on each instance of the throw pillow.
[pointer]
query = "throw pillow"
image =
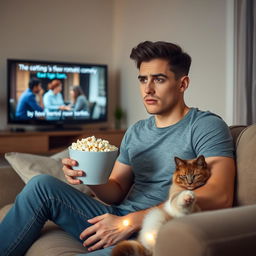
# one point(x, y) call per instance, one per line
point(30, 165)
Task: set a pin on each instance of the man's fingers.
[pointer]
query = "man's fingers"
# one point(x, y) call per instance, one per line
point(68, 161)
point(96, 246)
point(72, 181)
point(96, 219)
point(72, 173)
point(91, 240)
point(88, 231)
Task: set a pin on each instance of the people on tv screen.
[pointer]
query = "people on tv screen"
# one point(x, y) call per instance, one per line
point(27, 102)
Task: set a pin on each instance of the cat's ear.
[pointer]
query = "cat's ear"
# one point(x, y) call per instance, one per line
point(179, 162)
point(200, 161)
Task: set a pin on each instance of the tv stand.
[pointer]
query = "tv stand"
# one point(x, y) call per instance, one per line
point(49, 142)
point(18, 130)
point(59, 128)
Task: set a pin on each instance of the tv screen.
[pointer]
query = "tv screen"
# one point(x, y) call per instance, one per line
point(46, 92)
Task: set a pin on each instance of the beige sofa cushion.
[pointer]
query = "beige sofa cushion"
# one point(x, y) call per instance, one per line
point(52, 242)
point(245, 193)
point(55, 242)
point(30, 165)
point(4, 210)
point(226, 232)
point(10, 185)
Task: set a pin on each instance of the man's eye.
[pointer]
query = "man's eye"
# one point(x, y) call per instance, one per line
point(143, 80)
point(159, 80)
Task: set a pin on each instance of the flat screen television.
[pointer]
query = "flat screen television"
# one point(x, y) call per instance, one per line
point(68, 94)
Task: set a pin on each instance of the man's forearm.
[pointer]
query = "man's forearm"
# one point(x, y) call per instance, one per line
point(109, 193)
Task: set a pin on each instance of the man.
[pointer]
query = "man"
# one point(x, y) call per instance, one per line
point(142, 173)
point(27, 101)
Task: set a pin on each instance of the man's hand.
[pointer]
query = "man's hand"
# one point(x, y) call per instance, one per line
point(64, 107)
point(41, 92)
point(107, 230)
point(69, 173)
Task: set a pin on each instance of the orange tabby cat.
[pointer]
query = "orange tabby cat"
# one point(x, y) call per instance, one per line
point(189, 175)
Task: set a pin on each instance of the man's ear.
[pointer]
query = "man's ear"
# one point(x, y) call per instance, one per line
point(184, 83)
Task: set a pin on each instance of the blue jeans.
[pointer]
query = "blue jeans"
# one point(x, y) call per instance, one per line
point(47, 198)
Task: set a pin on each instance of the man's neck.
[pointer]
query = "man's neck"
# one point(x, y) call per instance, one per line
point(172, 118)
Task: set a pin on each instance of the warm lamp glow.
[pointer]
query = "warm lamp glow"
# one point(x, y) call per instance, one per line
point(126, 223)
point(150, 237)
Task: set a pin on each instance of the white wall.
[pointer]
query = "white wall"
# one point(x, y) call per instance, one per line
point(204, 28)
point(58, 30)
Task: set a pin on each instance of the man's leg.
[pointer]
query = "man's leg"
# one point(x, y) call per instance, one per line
point(43, 198)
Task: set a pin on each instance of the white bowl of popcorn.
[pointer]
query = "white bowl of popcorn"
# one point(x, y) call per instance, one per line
point(96, 157)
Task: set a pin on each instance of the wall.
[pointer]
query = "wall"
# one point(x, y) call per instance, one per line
point(204, 28)
point(59, 30)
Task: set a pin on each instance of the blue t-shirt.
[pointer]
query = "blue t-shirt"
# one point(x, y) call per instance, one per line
point(27, 102)
point(150, 151)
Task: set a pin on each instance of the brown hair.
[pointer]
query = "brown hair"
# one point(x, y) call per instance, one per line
point(54, 84)
point(178, 60)
point(77, 90)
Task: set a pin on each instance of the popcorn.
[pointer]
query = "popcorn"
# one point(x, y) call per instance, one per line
point(92, 144)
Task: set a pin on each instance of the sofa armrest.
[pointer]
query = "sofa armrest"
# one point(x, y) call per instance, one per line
point(10, 185)
point(213, 233)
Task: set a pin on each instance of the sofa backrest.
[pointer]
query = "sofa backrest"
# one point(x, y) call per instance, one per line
point(245, 142)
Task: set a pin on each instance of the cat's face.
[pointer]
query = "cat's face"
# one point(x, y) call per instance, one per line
point(191, 174)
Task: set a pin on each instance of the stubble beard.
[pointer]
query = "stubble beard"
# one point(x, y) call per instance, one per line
point(154, 112)
point(161, 112)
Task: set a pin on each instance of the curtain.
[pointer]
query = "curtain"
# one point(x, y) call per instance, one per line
point(245, 62)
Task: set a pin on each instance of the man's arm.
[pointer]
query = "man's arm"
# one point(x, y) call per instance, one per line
point(218, 192)
point(33, 104)
point(40, 95)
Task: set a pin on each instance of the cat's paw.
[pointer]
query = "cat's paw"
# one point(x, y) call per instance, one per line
point(186, 198)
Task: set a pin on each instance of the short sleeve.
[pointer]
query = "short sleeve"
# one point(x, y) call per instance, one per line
point(123, 152)
point(211, 137)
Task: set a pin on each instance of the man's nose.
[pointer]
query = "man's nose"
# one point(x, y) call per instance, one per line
point(149, 87)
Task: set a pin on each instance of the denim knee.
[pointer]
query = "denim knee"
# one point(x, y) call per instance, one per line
point(41, 179)
point(39, 185)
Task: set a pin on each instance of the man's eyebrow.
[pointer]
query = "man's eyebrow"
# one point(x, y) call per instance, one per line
point(153, 75)
point(160, 74)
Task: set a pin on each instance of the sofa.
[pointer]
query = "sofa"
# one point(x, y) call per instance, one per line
point(211, 233)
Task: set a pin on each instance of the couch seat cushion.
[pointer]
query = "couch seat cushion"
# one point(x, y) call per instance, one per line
point(52, 242)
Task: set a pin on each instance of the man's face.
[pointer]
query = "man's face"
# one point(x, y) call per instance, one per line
point(37, 88)
point(160, 91)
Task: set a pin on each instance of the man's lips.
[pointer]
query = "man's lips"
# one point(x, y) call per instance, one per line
point(150, 100)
